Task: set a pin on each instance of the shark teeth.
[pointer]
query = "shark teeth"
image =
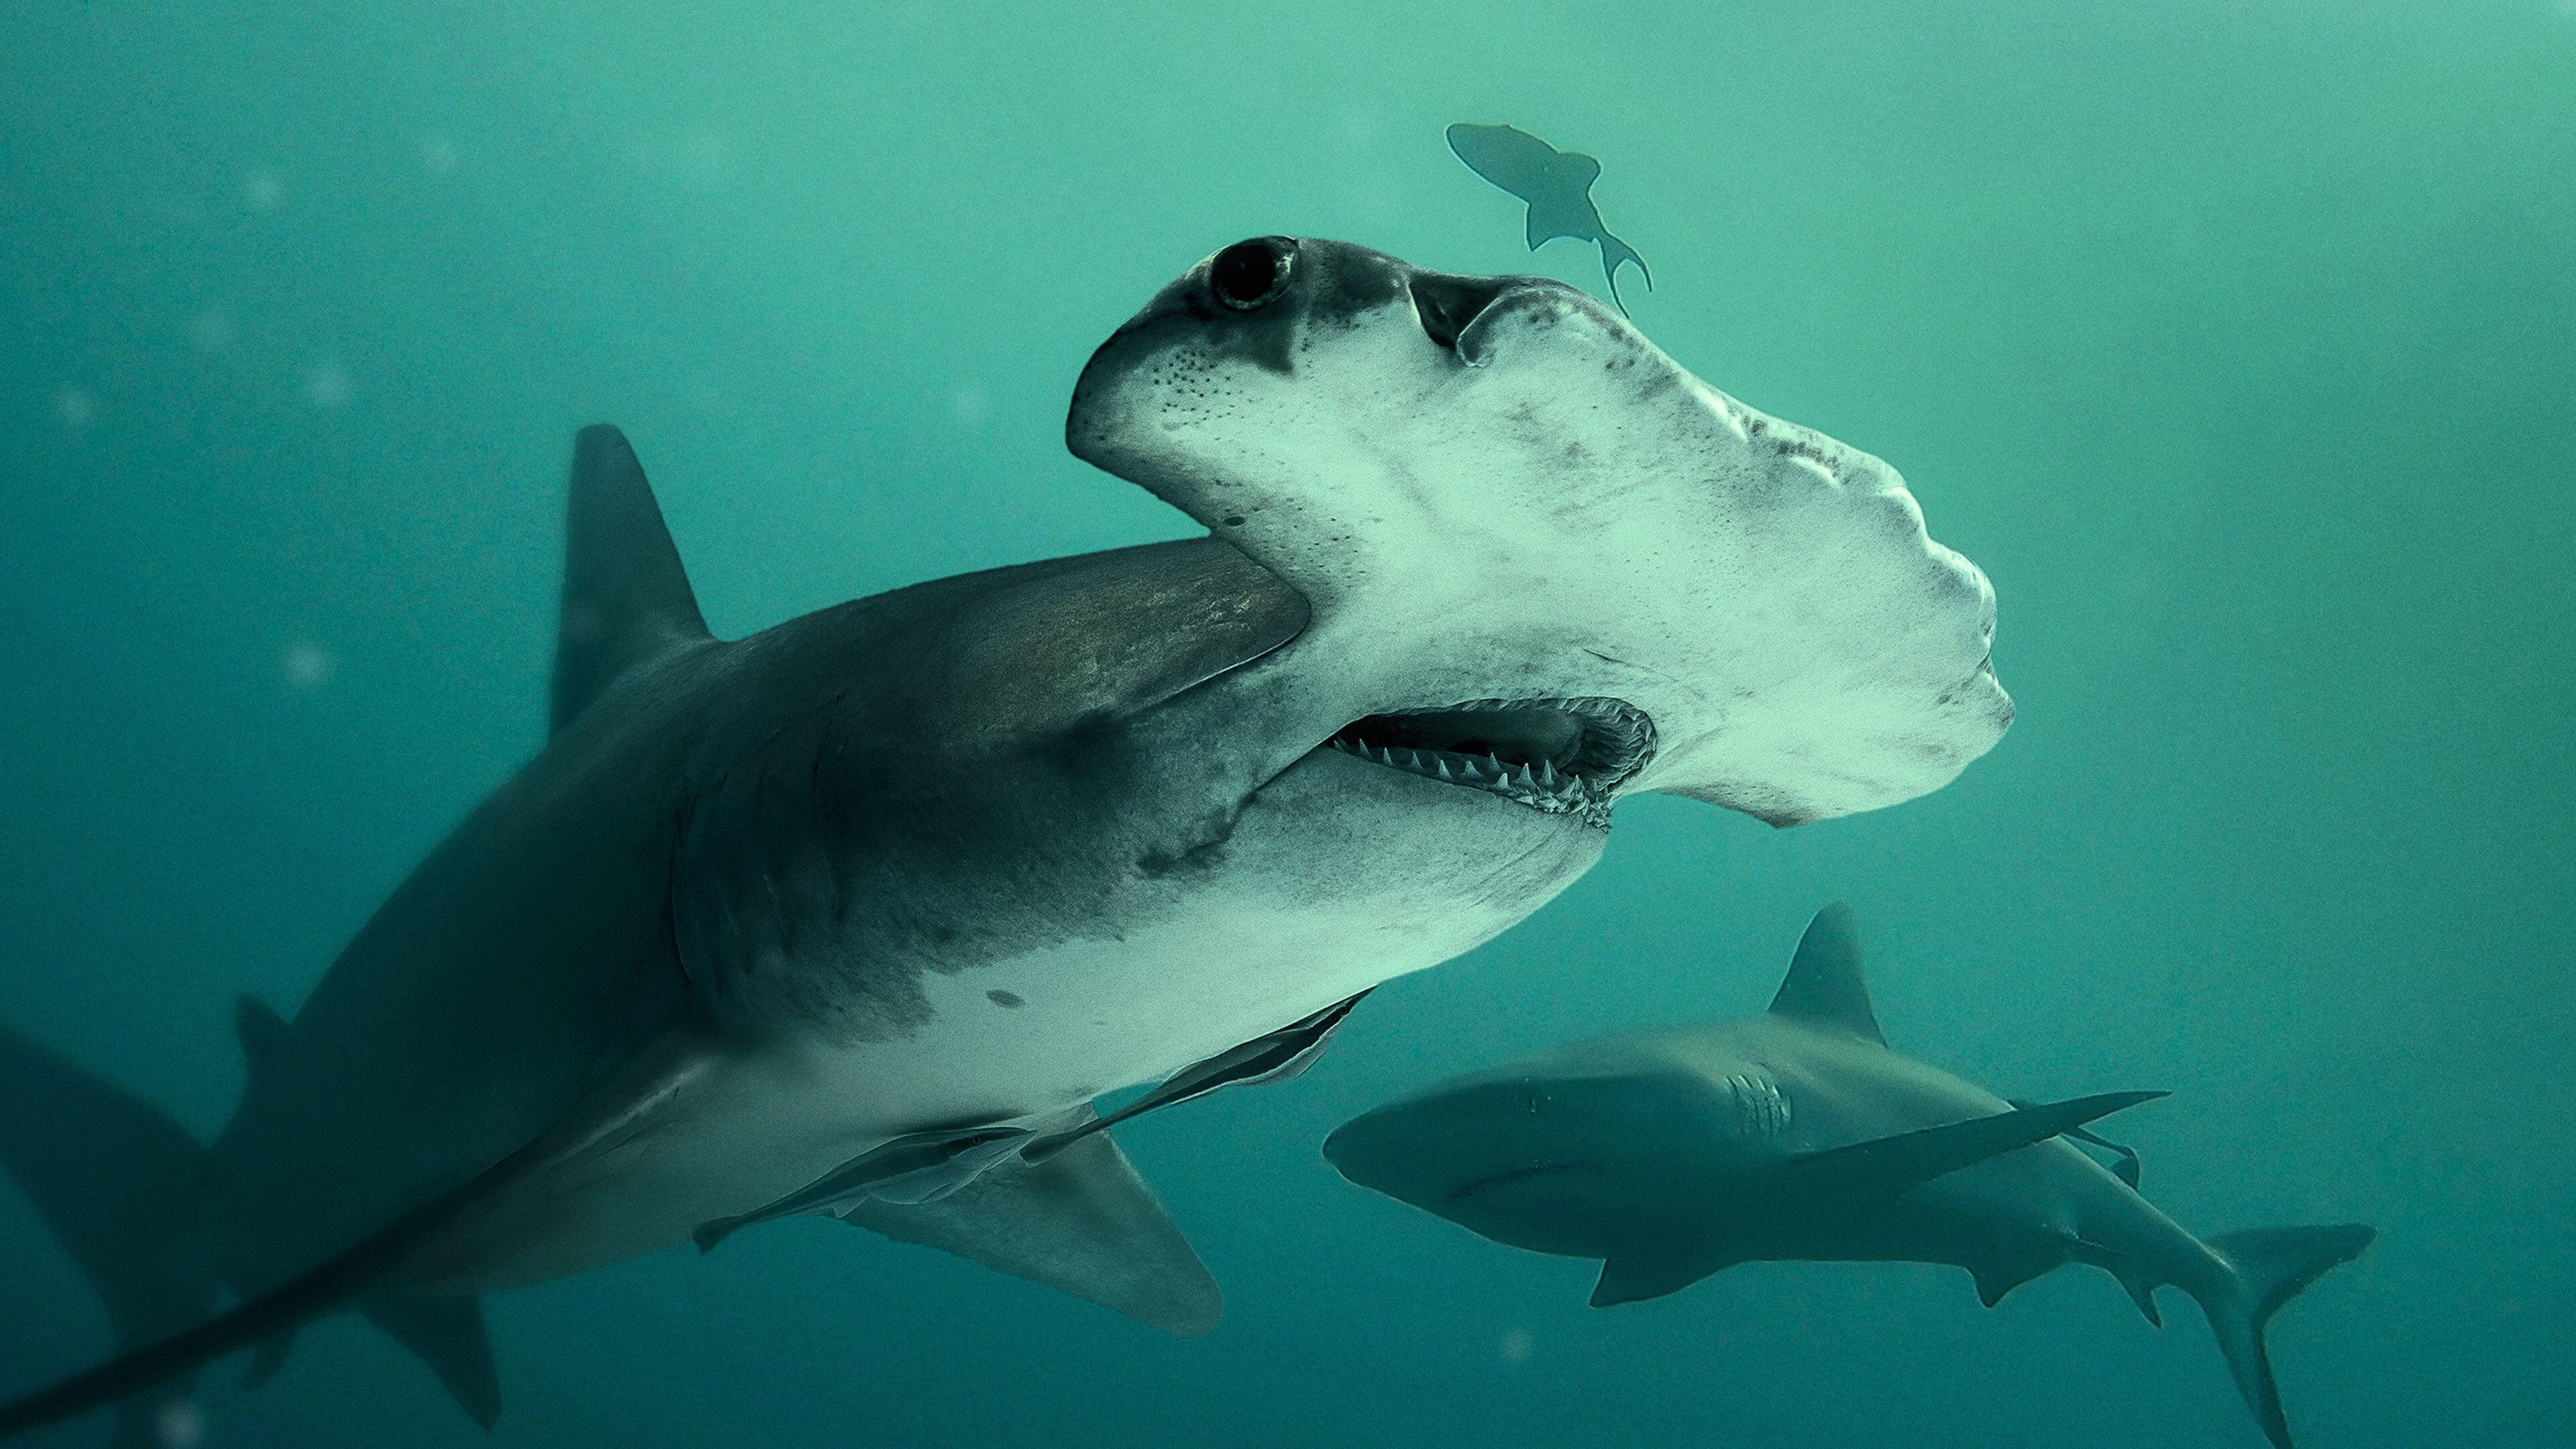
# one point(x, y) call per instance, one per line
point(1578, 774)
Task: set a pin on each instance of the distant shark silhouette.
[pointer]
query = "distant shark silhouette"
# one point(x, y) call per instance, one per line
point(1556, 184)
point(1798, 1135)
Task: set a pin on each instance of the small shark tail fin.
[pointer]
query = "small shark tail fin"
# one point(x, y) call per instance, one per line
point(2269, 1267)
point(116, 1180)
point(1616, 254)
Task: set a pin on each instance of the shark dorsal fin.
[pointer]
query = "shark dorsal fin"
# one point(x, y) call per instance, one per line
point(626, 598)
point(1824, 986)
point(263, 1034)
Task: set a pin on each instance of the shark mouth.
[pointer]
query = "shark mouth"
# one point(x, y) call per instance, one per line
point(1562, 756)
point(1506, 1178)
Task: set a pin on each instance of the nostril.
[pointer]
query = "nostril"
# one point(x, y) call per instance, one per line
point(1446, 304)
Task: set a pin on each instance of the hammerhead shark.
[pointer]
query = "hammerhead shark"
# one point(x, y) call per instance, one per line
point(1557, 185)
point(857, 915)
point(1674, 1154)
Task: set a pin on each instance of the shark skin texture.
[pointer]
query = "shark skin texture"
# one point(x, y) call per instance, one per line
point(1675, 1153)
point(856, 915)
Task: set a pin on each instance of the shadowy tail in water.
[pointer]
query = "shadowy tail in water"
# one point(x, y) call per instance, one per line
point(115, 1178)
point(120, 1183)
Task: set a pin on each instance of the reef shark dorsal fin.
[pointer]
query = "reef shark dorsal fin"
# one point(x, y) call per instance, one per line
point(1824, 986)
point(1887, 1166)
point(446, 1332)
point(626, 599)
point(1080, 1222)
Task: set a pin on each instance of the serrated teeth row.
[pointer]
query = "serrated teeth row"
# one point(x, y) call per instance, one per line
point(1542, 786)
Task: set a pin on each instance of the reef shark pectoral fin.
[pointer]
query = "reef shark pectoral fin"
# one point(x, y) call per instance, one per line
point(626, 597)
point(1887, 1166)
point(1275, 1057)
point(1081, 1222)
point(626, 1104)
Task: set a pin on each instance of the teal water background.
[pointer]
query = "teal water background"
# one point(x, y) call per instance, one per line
point(2237, 342)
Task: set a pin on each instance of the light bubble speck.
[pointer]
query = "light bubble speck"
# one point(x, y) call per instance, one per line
point(213, 331)
point(1517, 1345)
point(179, 1425)
point(437, 155)
point(326, 384)
point(76, 408)
point(969, 405)
point(307, 665)
point(263, 190)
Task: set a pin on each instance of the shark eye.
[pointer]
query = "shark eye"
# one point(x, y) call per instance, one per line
point(1251, 274)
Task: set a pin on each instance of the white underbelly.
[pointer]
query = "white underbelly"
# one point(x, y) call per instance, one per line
point(1317, 899)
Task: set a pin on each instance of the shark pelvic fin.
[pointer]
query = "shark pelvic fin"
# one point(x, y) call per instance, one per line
point(1824, 986)
point(1635, 1274)
point(626, 599)
point(1081, 1222)
point(267, 1359)
point(2000, 1277)
point(2142, 1291)
point(446, 1332)
point(262, 1031)
point(1887, 1166)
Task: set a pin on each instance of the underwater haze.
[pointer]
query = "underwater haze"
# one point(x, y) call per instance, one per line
point(2235, 342)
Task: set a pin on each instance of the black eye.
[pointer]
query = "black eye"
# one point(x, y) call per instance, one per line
point(1249, 274)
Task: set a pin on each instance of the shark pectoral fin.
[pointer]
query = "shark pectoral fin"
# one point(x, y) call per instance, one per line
point(1278, 1056)
point(626, 598)
point(446, 1332)
point(1634, 1274)
point(1887, 1166)
point(1080, 1222)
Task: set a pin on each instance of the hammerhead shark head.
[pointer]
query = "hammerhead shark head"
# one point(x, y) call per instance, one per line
point(1673, 1154)
point(1557, 185)
point(858, 914)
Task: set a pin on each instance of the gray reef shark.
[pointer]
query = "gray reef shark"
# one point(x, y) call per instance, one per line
point(1557, 185)
point(858, 914)
point(1798, 1135)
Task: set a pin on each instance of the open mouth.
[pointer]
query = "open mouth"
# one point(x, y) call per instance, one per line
point(1562, 756)
point(1464, 1191)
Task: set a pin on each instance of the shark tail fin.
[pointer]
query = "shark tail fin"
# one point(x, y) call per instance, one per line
point(2270, 1266)
point(1616, 254)
point(113, 1176)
